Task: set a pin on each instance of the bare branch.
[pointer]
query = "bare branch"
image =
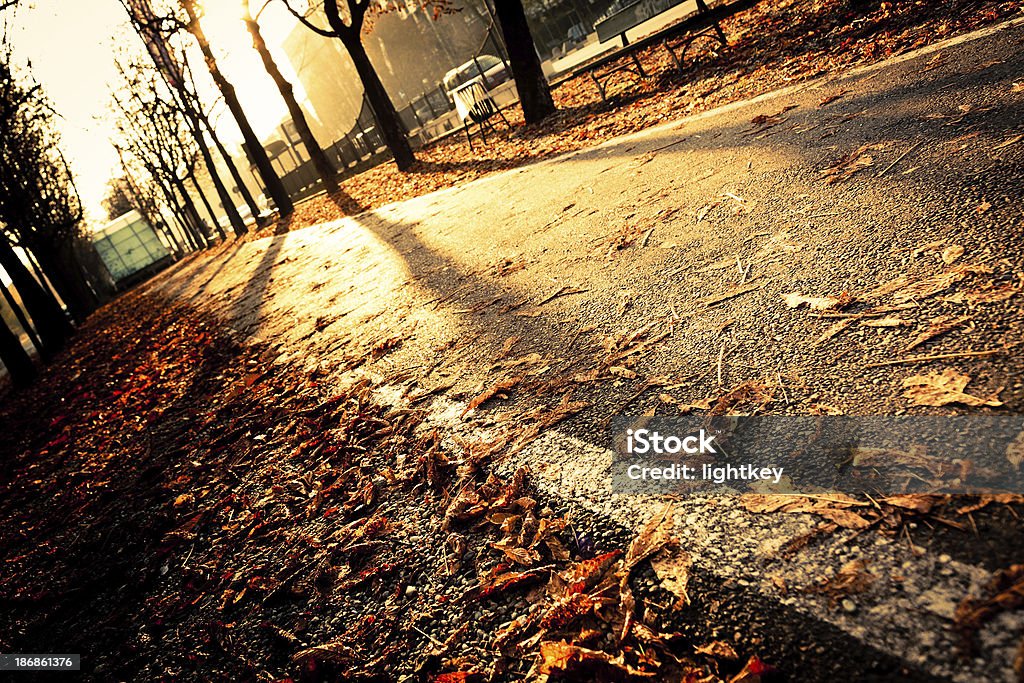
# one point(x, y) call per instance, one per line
point(305, 21)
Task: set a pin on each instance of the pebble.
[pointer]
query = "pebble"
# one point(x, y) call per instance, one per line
point(411, 590)
point(849, 605)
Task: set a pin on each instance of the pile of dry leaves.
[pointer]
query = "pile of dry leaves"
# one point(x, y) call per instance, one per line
point(183, 504)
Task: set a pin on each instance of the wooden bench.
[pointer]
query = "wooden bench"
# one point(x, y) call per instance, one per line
point(702, 24)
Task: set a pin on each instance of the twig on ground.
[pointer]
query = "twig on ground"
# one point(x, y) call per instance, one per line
point(898, 159)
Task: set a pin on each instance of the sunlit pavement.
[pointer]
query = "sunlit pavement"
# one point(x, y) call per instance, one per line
point(453, 291)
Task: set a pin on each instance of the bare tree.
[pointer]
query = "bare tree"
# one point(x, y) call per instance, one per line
point(40, 210)
point(323, 166)
point(253, 147)
point(153, 130)
point(346, 23)
point(118, 200)
point(172, 67)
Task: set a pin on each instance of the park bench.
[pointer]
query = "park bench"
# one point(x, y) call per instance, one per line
point(703, 24)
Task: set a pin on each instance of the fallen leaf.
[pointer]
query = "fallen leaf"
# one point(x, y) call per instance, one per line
point(752, 671)
point(579, 663)
point(937, 327)
point(884, 322)
point(1015, 451)
point(952, 253)
point(672, 567)
point(817, 303)
point(834, 329)
point(934, 63)
point(496, 389)
point(930, 286)
point(835, 508)
point(852, 163)
point(986, 294)
point(853, 577)
point(655, 535)
point(718, 649)
point(624, 373)
point(829, 99)
point(1005, 591)
point(939, 389)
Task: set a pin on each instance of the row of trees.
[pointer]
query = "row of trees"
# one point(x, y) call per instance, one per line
point(42, 249)
point(166, 27)
point(166, 139)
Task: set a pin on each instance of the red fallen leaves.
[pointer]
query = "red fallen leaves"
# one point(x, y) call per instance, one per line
point(1005, 591)
point(459, 677)
point(498, 389)
point(583, 575)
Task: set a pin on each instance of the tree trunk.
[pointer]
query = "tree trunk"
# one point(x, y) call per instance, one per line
point(316, 153)
point(238, 225)
point(14, 357)
point(177, 213)
point(252, 143)
point(19, 313)
point(51, 324)
point(192, 215)
point(534, 93)
point(391, 128)
point(63, 272)
point(209, 210)
point(94, 270)
point(243, 189)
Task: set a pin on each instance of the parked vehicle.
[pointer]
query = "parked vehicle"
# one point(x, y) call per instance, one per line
point(491, 68)
point(264, 203)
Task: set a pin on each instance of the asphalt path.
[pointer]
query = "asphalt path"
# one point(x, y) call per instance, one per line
point(687, 237)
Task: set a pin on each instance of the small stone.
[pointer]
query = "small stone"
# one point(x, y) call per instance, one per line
point(849, 605)
point(945, 559)
point(411, 590)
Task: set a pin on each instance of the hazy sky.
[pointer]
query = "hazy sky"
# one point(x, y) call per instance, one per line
point(70, 44)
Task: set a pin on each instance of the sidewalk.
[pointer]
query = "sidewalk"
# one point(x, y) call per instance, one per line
point(684, 240)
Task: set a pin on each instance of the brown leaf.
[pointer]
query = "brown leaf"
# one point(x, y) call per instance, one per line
point(672, 566)
point(1004, 591)
point(891, 321)
point(655, 535)
point(718, 649)
point(952, 253)
point(940, 389)
point(834, 508)
point(829, 99)
point(918, 502)
point(752, 672)
point(852, 163)
point(853, 577)
point(562, 657)
point(987, 293)
point(490, 392)
point(834, 329)
point(937, 283)
point(937, 327)
point(1015, 451)
point(817, 303)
